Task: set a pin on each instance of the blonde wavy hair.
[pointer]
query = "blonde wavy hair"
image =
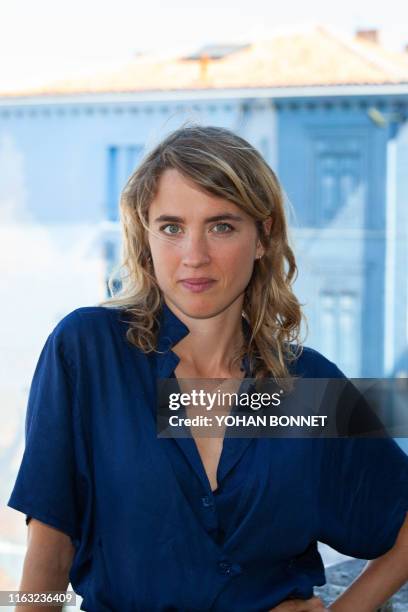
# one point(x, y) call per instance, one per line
point(225, 165)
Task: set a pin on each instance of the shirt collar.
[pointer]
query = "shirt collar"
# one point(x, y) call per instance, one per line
point(172, 330)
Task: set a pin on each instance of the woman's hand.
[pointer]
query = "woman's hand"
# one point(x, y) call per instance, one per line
point(314, 604)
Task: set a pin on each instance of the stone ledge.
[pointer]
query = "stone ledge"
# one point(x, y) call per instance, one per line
point(341, 575)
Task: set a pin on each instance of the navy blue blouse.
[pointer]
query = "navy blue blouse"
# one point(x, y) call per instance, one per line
point(149, 534)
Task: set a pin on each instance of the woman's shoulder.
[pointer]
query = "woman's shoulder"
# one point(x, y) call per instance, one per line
point(310, 363)
point(86, 316)
point(87, 324)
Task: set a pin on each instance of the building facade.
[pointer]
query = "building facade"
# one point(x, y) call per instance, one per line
point(340, 150)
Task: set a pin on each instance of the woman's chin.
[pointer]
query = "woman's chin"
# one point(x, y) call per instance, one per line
point(200, 306)
point(200, 311)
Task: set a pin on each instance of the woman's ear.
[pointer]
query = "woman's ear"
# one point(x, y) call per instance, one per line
point(267, 224)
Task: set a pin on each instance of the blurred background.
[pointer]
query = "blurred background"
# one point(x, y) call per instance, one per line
point(321, 89)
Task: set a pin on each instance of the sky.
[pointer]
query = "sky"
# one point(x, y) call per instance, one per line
point(47, 39)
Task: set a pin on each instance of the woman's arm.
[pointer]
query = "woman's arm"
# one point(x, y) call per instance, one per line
point(380, 579)
point(47, 562)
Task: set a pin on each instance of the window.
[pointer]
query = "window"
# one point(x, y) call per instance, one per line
point(111, 259)
point(264, 147)
point(340, 330)
point(337, 180)
point(122, 161)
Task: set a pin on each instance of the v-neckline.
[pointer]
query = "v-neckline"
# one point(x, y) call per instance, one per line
point(231, 451)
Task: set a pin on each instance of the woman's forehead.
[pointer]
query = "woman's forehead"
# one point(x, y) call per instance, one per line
point(179, 195)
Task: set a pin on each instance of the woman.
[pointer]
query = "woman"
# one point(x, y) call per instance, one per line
point(147, 523)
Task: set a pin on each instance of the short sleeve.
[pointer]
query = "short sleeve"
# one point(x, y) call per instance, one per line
point(45, 487)
point(363, 495)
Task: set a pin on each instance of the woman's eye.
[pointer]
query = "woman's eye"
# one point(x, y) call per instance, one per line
point(230, 228)
point(173, 226)
point(169, 225)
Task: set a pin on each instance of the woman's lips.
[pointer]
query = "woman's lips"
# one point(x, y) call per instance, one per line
point(197, 286)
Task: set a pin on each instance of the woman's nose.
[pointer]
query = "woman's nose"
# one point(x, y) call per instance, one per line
point(196, 250)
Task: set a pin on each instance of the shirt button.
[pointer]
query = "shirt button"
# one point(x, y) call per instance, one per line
point(225, 567)
point(207, 501)
point(229, 569)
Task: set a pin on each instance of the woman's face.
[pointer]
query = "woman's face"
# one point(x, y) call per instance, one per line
point(188, 242)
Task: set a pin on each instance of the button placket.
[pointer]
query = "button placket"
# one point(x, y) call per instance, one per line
point(227, 568)
point(207, 501)
point(209, 515)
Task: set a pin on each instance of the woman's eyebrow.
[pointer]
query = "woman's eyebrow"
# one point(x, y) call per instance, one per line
point(175, 219)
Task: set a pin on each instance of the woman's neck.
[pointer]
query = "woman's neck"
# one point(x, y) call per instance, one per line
point(211, 344)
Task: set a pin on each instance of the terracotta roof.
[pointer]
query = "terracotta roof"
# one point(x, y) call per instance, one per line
point(303, 57)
